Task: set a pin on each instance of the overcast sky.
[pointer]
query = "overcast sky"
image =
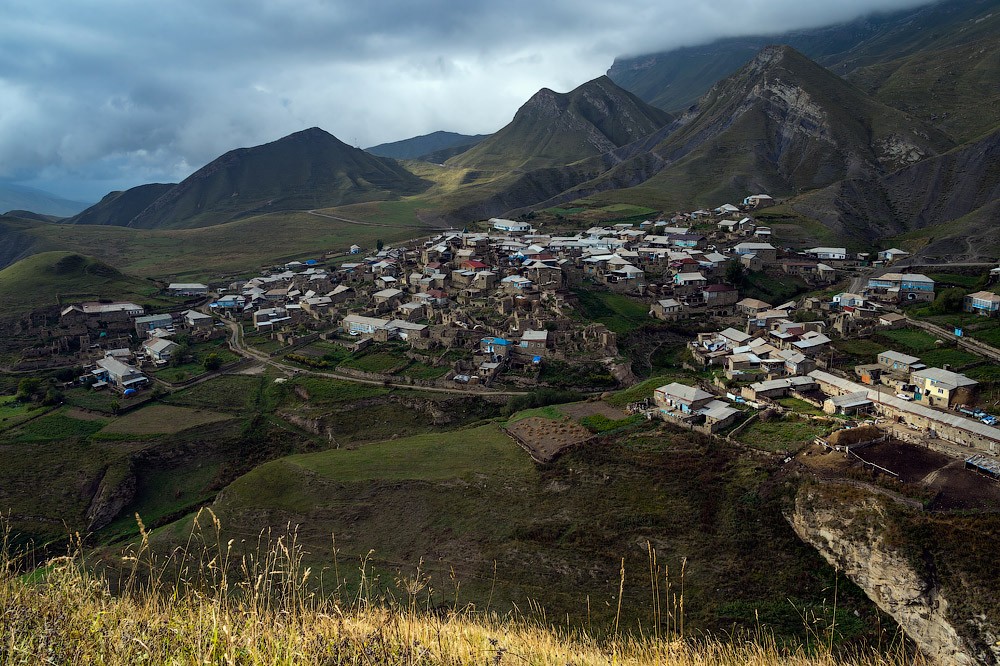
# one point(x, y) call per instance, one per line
point(97, 95)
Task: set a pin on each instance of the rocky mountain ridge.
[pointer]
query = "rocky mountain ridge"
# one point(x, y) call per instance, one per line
point(555, 129)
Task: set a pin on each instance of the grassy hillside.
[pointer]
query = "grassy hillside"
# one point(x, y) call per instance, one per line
point(954, 89)
point(237, 246)
point(782, 124)
point(62, 615)
point(488, 527)
point(52, 278)
point(164, 458)
point(17, 240)
point(972, 236)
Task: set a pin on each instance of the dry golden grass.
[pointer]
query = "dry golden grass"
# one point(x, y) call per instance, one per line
point(202, 605)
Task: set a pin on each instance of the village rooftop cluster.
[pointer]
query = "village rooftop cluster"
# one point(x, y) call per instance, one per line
point(502, 294)
point(500, 301)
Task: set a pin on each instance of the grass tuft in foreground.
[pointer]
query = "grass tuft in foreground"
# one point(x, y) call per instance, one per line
point(203, 605)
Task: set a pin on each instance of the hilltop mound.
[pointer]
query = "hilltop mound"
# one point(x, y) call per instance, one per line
point(305, 170)
point(45, 279)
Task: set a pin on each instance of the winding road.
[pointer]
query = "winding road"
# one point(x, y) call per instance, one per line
point(237, 345)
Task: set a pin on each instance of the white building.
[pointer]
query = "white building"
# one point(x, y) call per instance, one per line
point(187, 288)
point(510, 226)
point(828, 252)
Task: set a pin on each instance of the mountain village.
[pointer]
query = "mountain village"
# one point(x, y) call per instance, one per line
point(492, 308)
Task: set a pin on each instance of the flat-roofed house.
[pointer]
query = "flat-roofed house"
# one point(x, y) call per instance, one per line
point(766, 252)
point(750, 306)
point(778, 388)
point(823, 253)
point(892, 254)
point(159, 350)
point(534, 342)
point(982, 302)
point(892, 320)
point(720, 296)
point(899, 362)
point(719, 415)
point(902, 287)
point(942, 388)
point(355, 324)
point(677, 397)
point(118, 374)
point(510, 226)
point(195, 319)
point(733, 337)
point(848, 403)
point(387, 296)
point(121, 311)
point(759, 200)
point(143, 325)
point(187, 288)
point(665, 309)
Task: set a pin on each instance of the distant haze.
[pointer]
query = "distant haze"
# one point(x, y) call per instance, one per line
point(99, 96)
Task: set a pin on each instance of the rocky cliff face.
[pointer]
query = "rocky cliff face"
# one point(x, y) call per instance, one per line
point(116, 491)
point(848, 531)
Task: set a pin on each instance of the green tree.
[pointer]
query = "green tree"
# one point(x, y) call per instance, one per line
point(379, 244)
point(68, 374)
point(212, 362)
point(52, 397)
point(735, 273)
point(179, 355)
point(27, 388)
point(949, 300)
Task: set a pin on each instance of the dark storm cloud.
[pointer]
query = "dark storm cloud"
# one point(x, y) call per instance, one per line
point(101, 95)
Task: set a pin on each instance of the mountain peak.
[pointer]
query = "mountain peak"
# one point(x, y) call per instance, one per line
point(308, 169)
point(772, 53)
point(558, 128)
point(310, 133)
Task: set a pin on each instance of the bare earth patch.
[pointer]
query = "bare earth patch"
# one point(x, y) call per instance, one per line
point(580, 410)
point(252, 370)
point(957, 488)
point(83, 415)
point(162, 419)
point(545, 438)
